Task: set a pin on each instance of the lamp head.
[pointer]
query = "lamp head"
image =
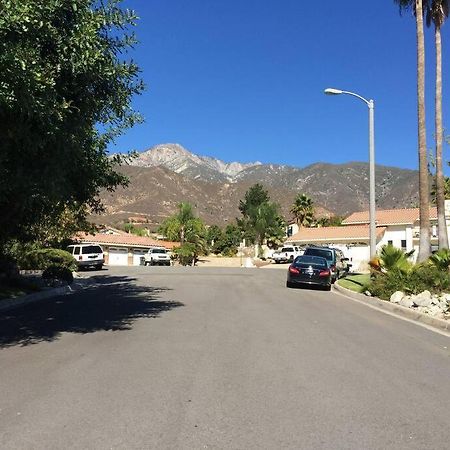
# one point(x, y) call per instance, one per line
point(332, 91)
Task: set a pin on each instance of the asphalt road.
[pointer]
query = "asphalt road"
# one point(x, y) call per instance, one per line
point(204, 358)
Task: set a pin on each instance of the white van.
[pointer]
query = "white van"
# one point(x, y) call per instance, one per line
point(87, 255)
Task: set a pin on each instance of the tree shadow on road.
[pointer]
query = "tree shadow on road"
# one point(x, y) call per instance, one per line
point(114, 304)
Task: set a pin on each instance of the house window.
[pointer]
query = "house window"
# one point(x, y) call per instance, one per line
point(390, 242)
point(403, 244)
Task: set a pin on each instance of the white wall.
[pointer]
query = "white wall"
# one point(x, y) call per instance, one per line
point(396, 233)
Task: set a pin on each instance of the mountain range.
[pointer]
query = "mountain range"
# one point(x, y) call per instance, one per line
point(166, 174)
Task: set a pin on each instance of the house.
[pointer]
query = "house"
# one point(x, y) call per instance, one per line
point(124, 249)
point(399, 227)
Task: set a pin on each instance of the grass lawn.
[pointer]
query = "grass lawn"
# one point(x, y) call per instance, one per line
point(355, 283)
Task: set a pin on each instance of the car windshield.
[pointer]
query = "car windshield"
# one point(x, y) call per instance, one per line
point(159, 250)
point(91, 249)
point(310, 261)
point(287, 249)
point(327, 254)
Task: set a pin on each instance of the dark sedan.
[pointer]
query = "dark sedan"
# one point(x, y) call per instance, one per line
point(309, 270)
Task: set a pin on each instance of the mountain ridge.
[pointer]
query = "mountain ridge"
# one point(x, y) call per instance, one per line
point(166, 174)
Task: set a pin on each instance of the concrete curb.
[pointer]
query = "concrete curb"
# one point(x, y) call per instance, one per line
point(385, 306)
point(12, 303)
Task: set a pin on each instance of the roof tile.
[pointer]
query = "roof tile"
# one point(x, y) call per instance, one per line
point(125, 239)
point(358, 232)
point(389, 216)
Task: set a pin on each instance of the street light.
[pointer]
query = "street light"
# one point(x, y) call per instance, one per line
point(371, 106)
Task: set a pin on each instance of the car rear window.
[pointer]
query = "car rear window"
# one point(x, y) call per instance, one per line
point(327, 254)
point(159, 250)
point(310, 261)
point(287, 249)
point(91, 249)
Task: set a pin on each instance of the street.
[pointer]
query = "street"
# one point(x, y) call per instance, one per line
point(216, 358)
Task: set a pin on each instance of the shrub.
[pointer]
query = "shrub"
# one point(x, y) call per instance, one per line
point(186, 254)
point(41, 259)
point(441, 259)
point(421, 277)
point(58, 273)
point(393, 258)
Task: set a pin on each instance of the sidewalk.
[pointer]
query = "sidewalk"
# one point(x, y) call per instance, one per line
point(44, 293)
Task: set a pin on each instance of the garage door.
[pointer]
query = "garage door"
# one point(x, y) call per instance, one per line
point(118, 256)
point(138, 253)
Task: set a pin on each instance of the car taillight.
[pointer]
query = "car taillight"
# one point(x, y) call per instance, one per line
point(293, 269)
point(80, 258)
point(324, 273)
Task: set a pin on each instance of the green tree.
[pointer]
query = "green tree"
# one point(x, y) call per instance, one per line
point(333, 221)
point(437, 13)
point(187, 229)
point(446, 191)
point(424, 199)
point(133, 229)
point(253, 198)
point(261, 219)
point(213, 235)
point(65, 94)
point(303, 210)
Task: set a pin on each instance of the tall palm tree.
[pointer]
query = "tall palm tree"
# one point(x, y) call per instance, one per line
point(437, 12)
point(424, 194)
point(303, 210)
point(185, 216)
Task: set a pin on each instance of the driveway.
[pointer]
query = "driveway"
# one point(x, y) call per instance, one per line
point(195, 358)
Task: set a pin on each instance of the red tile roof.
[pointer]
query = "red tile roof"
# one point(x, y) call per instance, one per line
point(330, 234)
point(389, 216)
point(126, 239)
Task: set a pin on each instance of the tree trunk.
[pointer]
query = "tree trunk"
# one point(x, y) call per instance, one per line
point(424, 197)
point(440, 194)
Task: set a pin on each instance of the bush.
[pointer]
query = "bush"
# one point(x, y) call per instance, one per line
point(420, 278)
point(42, 259)
point(186, 254)
point(58, 273)
point(441, 259)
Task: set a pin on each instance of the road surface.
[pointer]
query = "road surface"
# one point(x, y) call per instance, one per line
point(205, 358)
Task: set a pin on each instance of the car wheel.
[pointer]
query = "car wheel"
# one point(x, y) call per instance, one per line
point(328, 288)
point(99, 267)
point(288, 284)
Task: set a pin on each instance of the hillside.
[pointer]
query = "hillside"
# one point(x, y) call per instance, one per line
point(165, 175)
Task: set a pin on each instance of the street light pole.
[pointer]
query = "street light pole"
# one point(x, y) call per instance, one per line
point(372, 208)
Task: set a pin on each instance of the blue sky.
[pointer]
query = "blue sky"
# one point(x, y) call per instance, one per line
point(243, 80)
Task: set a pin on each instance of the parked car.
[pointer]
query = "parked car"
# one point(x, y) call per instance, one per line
point(337, 262)
point(87, 255)
point(157, 256)
point(287, 254)
point(310, 270)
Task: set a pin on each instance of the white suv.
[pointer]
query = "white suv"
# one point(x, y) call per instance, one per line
point(157, 256)
point(87, 255)
point(286, 254)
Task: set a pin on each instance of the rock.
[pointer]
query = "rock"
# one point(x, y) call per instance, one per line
point(406, 301)
point(368, 293)
point(422, 299)
point(397, 296)
point(443, 305)
point(435, 311)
